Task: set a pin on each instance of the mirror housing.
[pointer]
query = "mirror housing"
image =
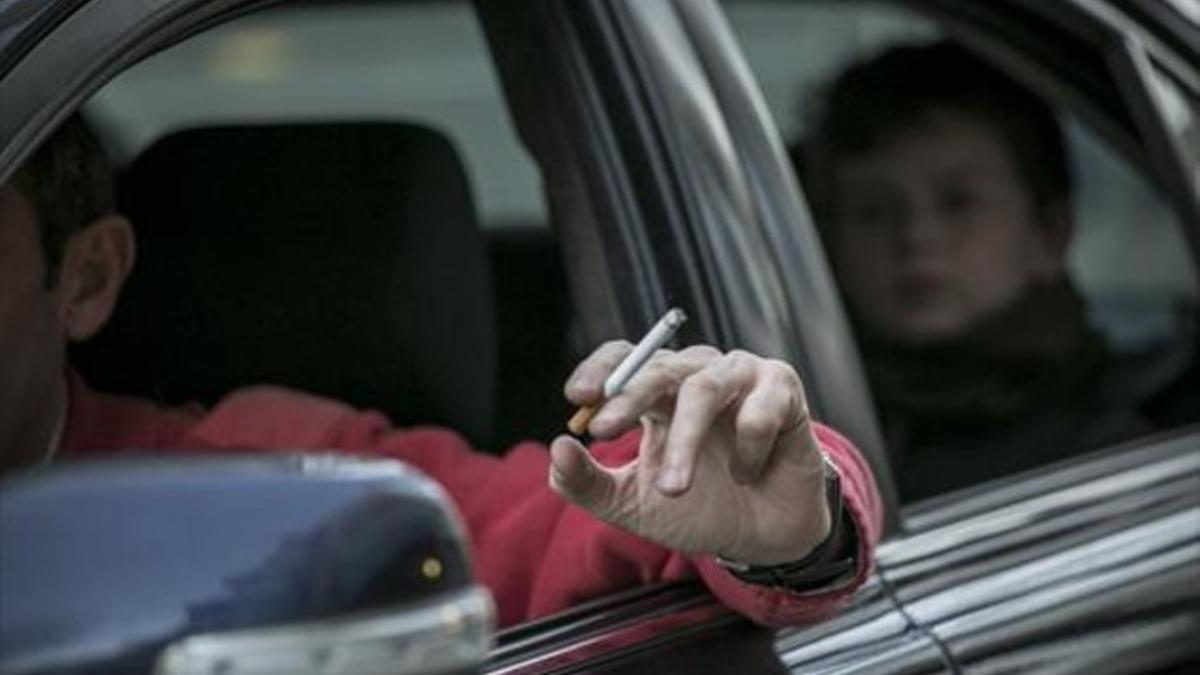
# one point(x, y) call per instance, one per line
point(250, 564)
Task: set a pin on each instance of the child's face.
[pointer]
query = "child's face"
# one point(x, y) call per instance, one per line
point(934, 228)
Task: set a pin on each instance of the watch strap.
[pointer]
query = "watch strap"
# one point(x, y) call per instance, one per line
point(829, 562)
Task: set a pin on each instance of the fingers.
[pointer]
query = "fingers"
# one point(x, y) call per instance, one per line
point(659, 379)
point(579, 479)
point(766, 399)
point(586, 383)
point(737, 404)
point(768, 411)
point(703, 397)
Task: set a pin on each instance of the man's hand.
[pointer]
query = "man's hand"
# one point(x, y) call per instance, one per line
point(728, 464)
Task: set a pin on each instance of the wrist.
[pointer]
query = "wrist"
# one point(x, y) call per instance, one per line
point(830, 560)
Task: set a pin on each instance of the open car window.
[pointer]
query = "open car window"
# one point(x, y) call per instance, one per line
point(450, 216)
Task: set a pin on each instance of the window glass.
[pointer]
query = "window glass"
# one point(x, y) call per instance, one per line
point(1014, 304)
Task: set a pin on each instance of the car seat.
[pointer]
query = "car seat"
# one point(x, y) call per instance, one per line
point(343, 259)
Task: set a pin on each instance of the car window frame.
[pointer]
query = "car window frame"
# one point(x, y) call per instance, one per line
point(88, 46)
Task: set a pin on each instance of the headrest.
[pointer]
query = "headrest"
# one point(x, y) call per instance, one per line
point(342, 259)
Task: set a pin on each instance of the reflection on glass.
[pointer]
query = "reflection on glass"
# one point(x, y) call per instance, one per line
point(1008, 317)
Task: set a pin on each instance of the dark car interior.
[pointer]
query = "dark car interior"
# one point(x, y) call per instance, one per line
point(344, 259)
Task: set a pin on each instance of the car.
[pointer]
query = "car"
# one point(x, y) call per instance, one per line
point(570, 170)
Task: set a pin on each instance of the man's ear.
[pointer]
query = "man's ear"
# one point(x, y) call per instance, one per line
point(96, 262)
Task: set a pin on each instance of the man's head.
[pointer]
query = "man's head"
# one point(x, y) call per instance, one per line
point(64, 255)
point(942, 187)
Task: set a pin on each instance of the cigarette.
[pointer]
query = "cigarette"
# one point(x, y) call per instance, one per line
point(659, 335)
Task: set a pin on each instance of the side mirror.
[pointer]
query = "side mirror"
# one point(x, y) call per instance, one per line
point(250, 564)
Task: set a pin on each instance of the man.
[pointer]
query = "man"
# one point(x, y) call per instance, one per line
point(944, 195)
point(703, 453)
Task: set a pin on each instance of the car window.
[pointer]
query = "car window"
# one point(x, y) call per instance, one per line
point(976, 370)
point(416, 68)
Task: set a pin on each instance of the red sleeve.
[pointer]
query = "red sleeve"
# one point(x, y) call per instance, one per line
point(780, 608)
point(539, 554)
point(536, 552)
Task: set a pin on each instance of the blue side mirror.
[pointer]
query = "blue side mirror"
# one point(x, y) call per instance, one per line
point(263, 563)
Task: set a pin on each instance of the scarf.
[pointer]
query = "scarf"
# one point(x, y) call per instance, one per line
point(1038, 349)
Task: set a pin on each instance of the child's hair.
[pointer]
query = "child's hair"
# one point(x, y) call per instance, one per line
point(882, 97)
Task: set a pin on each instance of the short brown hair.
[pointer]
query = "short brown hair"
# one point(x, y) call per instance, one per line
point(877, 99)
point(69, 182)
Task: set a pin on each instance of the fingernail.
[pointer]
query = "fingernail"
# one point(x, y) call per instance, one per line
point(670, 479)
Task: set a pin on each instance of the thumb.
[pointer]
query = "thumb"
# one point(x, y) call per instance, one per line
point(577, 477)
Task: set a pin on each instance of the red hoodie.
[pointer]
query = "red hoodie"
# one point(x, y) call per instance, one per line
point(536, 552)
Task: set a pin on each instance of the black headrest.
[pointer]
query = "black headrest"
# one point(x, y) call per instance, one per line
point(342, 259)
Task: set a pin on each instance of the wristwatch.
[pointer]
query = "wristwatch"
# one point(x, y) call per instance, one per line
point(831, 562)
